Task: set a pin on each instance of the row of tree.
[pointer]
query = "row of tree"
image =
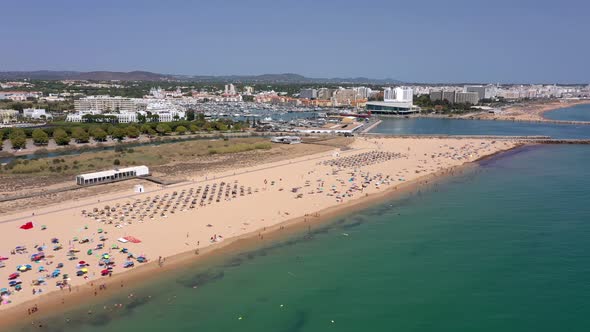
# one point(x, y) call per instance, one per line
point(82, 133)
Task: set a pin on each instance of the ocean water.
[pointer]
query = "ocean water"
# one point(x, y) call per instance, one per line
point(442, 126)
point(574, 113)
point(502, 247)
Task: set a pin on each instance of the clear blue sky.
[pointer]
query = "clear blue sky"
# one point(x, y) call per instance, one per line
point(414, 41)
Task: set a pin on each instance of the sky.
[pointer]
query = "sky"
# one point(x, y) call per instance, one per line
point(517, 41)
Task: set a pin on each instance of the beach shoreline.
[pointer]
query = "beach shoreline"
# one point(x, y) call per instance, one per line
point(532, 113)
point(51, 303)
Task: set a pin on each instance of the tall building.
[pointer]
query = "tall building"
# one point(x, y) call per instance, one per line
point(455, 97)
point(104, 104)
point(230, 89)
point(399, 94)
point(308, 93)
point(484, 92)
point(396, 101)
point(466, 97)
point(363, 92)
point(325, 93)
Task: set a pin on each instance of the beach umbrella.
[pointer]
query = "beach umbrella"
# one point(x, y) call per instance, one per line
point(22, 268)
point(85, 270)
point(41, 268)
point(27, 225)
point(3, 291)
point(89, 252)
point(2, 258)
point(82, 262)
point(13, 276)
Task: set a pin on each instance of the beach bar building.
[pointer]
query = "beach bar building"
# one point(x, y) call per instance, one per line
point(111, 175)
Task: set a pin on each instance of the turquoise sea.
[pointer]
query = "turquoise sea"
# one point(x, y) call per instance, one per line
point(574, 113)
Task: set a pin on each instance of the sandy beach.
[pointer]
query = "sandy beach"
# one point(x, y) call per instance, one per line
point(151, 231)
point(533, 112)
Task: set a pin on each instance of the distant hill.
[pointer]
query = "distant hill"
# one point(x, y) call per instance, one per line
point(149, 76)
point(90, 76)
point(283, 78)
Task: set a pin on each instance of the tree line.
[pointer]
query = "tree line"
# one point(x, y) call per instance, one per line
point(62, 134)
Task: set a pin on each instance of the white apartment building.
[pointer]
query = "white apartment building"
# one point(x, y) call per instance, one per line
point(230, 89)
point(399, 94)
point(104, 104)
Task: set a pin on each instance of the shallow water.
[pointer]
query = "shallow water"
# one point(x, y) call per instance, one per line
point(442, 126)
point(505, 247)
point(574, 113)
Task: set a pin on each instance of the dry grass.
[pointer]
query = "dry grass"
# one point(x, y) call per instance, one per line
point(146, 155)
point(172, 161)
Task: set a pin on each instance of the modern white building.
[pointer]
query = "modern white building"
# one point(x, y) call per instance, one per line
point(36, 113)
point(396, 101)
point(399, 94)
point(111, 175)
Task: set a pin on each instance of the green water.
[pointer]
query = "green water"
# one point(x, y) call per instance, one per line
point(505, 247)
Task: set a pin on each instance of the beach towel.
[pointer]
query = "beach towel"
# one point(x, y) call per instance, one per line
point(132, 239)
point(28, 225)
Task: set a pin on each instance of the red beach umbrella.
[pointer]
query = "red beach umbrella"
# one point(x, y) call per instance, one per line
point(28, 225)
point(13, 276)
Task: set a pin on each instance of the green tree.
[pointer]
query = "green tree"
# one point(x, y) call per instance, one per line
point(110, 129)
point(220, 126)
point(80, 135)
point(61, 137)
point(181, 130)
point(40, 137)
point(145, 128)
point(190, 115)
point(99, 134)
point(18, 138)
point(119, 133)
point(193, 127)
point(163, 129)
point(132, 132)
